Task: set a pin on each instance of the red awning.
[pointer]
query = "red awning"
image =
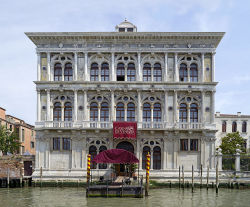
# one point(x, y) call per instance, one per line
point(124, 130)
point(117, 156)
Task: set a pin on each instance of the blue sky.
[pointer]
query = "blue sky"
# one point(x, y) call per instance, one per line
point(18, 57)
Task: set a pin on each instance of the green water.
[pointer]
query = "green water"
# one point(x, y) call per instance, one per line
point(158, 197)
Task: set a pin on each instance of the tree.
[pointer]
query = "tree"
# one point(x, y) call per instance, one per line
point(9, 141)
point(231, 142)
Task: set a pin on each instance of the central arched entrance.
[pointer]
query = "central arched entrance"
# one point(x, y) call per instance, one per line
point(121, 169)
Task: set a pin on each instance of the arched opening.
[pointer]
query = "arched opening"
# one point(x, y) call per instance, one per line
point(102, 165)
point(126, 146)
point(93, 153)
point(183, 112)
point(131, 72)
point(67, 112)
point(131, 112)
point(57, 113)
point(94, 72)
point(120, 73)
point(234, 127)
point(120, 112)
point(104, 111)
point(224, 126)
point(105, 72)
point(183, 75)
point(145, 151)
point(68, 72)
point(93, 111)
point(147, 72)
point(157, 72)
point(146, 112)
point(244, 126)
point(193, 73)
point(193, 113)
point(157, 158)
point(157, 112)
point(58, 72)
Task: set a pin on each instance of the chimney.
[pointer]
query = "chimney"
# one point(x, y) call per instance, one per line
point(238, 113)
point(217, 113)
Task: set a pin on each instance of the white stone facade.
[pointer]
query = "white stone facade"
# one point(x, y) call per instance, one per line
point(157, 127)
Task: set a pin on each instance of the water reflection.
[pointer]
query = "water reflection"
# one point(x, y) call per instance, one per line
point(158, 197)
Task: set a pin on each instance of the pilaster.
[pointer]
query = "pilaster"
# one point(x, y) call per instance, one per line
point(38, 66)
point(75, 66)
point(48, 67)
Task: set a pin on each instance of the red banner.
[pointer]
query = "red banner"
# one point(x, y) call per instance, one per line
point(124, 130)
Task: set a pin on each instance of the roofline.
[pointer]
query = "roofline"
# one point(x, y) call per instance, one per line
point(2, 108)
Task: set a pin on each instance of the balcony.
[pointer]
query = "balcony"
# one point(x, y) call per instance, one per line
point(109, 125)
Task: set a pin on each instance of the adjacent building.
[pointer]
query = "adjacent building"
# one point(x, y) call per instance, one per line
point(95, 88)
point(25, 132)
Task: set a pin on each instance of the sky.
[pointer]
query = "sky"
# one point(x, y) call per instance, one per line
point(18, 57)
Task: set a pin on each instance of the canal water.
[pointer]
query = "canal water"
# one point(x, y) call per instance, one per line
point(72, 197)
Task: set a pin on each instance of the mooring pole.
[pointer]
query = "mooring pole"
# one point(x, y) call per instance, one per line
point(41, 175)
point(207, 176)
point(201, 177)
point(8, 177)
point(217, 178)
point(179, 176)
point(192, 178)
point(147, 174)
point(88, 174)
point(183, 176)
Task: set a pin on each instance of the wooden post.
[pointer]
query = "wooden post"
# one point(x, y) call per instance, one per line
point(192, 178)
point(179, 176)
point(147, 174)
point(207, 176)
point(217, 178)
point(183, 183)
point(41, 175)
point(8, 177)
point(88, 168)
point(201, 177)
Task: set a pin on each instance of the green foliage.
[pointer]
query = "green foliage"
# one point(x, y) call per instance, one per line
point(230, 141)
point(9, 141)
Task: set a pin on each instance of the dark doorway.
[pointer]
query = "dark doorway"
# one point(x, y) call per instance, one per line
point(27, 168)
point(126, 146)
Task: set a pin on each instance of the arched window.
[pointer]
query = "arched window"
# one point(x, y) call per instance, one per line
point(131, 112)
point(104, 111)
point(145, 151)
point(57, 113)
point(94, 71)
point(58, 72)
point(120, 112)
point(146, 112)
point(234, 126)
point(193, 113)
point(120, 73)
point(157, 72)
point(68, 72)
point(193, 73)
point(93, 153)
point(157, 112)
point(67, 112)
point(157, 158)
point(224, 126)
point(244, 126)
point(93, 111)
point(183, 73)
point(147, 72)
point(131, 72)
point(102, 165)
point(105, 72)
point(183, 112)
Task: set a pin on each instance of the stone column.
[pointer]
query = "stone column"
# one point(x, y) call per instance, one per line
point(99, 113)
point(75, 105)
point(166, 67)
point(85, 117)
point(202, 68)
point(48, 67)
point(38, 66)
point(125, 112)
point(151, 159)
point(219, 159)
point(213, 67)
point(113, 76)
point(188, 114)
point(86, 66)
point(38, 105)
point(175, 108)
point(75, 66)
point(176, 72)
point(237, 160)
point(152, 114)
point(112, 109)
point(139, 72)
point(139, 110)
point(164, 154)
point(202, 107)
point(48, 105)
point(212, 106)
point(166, 107)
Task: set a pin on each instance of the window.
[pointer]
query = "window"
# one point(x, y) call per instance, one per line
point(56, 143)
point(157, 158)
point(129, 29)
point(234, 126)
point(102, 165)
point(184, 144)
point(146, 112)
point(32, 145)
point(10, 127)
point(131, 112)
point(93, 112)
point(57, 113)
point(23, 135)
point(66, 143)
point(193, 144)
point(58, 72)
point(147, 72)
point(93, 153)
point(224, 126)
point(104, 111)
point(67, 112)
point(120, 112)
point(193, 113)
point(157, 72)
point(244, 126)
point(183, 112)
point(131, 72)
point(121, 29)
point(145, 151)
point(120, 72)
point(183, 73)
point(105, 72)
point(94, 72)
point(68, 72)
point(157, 112)
point(193, 73)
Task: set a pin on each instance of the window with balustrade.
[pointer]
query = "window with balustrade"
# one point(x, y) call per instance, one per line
point(234, 126)
point(131, 112)
point(120, 72)
point(183, 112)
point(120, 112)
point(94, 111)
point(193, 73)
point(94, 72)
point(146, 72)
point(105, 72)
point(57, 111)
point(58, 72)
point(183, 73)
point(104, 111)
point(68, 72)
point(157, 112)
point(67, 111)
point(244, 126)
point(193, 112)
point(146, 112)
point(224, 126)
point(131, 72)
point(157, 72)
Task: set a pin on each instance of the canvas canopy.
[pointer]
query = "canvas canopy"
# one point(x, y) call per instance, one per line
point(117, 156)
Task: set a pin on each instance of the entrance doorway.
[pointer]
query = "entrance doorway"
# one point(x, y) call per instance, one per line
point(122, 169)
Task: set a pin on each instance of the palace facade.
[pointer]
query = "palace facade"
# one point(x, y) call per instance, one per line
point(88, 81)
